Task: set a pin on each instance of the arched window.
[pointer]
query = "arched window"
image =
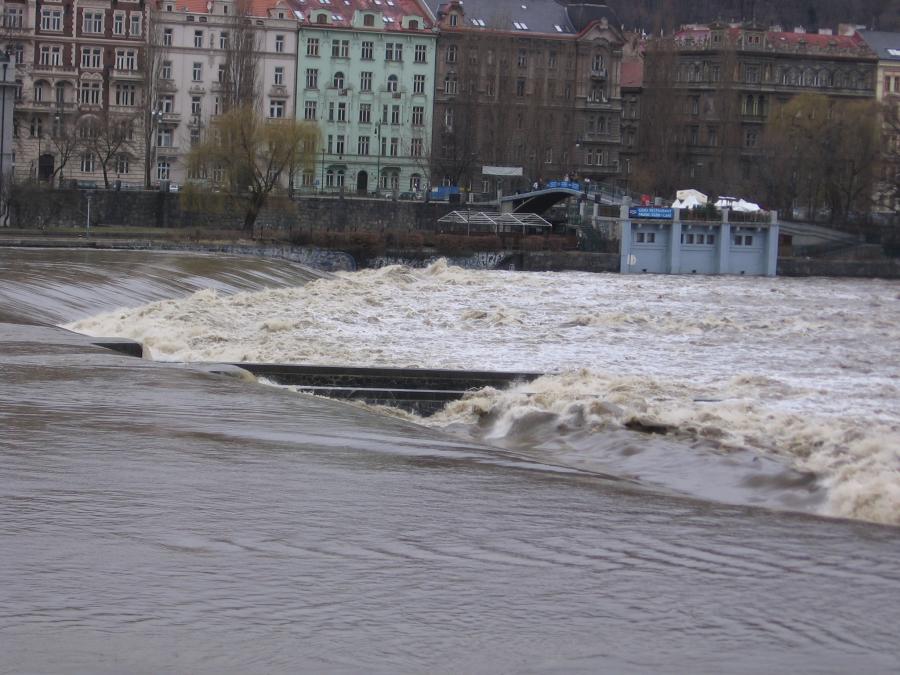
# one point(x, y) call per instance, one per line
point(414, 25)
point(39, 90)
point(392, 83)
point(322, 18)
point(60, 92)
point(329, 178)
point(339, 178)
point(338, 81)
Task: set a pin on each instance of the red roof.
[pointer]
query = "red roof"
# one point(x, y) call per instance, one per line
point(780, 39)
point(632, 72)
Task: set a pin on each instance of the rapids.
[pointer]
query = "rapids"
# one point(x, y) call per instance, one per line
point(780, 392)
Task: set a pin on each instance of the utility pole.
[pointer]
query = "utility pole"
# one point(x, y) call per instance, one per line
point(88, 223)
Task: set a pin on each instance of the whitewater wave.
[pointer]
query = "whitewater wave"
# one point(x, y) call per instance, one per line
point(727, 387)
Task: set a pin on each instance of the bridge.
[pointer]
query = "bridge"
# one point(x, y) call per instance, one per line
point(540, 201)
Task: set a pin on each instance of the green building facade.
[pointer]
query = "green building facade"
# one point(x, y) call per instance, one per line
point(366, 76)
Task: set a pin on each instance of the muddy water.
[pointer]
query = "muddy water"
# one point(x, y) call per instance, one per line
point(158, 518)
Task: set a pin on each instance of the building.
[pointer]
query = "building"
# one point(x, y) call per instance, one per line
point(657, 241)
point(7, 101)
point(196, 43)
point(708, 92)
point(366, 74)
point(887, 91)
point(79, 88)
point(532, 85)
point(631, 85)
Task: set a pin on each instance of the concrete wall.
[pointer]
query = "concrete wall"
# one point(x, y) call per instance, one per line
point(41, 207)
point(807, 267)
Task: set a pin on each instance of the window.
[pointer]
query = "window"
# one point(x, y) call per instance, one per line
point(395, 147)
point(196, 106)
point(51, 55)
point(416, 147)
point(122, 163)
point(368, 51)
point(276, 108)
point(90, 93)
point(365, 113)
point(92, 22)
point(309, 110)
point(197, 72)
point(166, 70)
point(384, 114)
point(125, 94)
point(339, 144)
point(135, 29)
point(19, 54)
point(119, 23)
point(338, 80)
point(164, 137)
point(418, 84)
point(198, 38)
point(162, 168)
point(312, 46)
point(421, 51)
point(369, 20)
point(217, 105)
point(454, 20)
point(321, 18)
point(126, 59)
point(392, 83)
point(312, 78)
point(12, 17)
point(365, 81)
point(91, 57)
point(362, 145)
point(418, 115)
point(279, 44)
point(167, 103)
point(331, 111)
point(395, 114)
point(220, 73)
point(450, 84)
point(87, 162)
point(38, 91)
point(223, 40)
point(452, 53)
point(520, 88)
point(551, 60)
point(20, 86)
point(750, 138)
point(393, 51)
point(448, 119)
point(60, 92)
point(51, 19)
point(279, 75)
point(167, 37)
point(342, 112)
point(340, 49)
point(522, 58)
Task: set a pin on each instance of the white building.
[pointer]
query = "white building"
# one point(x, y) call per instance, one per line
point(195, 35)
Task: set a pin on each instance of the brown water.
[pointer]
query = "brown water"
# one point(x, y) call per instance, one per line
point(157, 518)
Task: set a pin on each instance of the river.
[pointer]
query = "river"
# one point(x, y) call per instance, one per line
point(155, 517)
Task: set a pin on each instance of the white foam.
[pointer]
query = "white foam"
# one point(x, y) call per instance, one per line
point(803, 369)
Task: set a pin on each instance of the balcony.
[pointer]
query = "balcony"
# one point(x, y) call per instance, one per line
point(281, 91)
point(129, 75)
point(599, 73)
point(58, 71)
point(172, 118)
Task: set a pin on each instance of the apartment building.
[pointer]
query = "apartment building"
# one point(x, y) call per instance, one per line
point(709, 90)
point(78, 88)
point(195, 38)
point(365, 74)
point(531, 85)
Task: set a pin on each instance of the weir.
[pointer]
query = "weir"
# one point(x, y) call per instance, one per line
point(419, 390)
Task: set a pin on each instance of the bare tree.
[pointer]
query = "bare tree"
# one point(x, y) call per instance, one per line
point(108, 136)
point(154, 53)
point(242, 45)
point(64, 141)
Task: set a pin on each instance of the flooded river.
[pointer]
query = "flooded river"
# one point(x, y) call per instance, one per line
point(155, 517)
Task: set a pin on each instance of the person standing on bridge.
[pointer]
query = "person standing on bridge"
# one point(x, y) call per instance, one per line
point(535, 186)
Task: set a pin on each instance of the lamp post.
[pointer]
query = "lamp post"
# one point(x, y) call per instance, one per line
point(378, 161)
point(322, 184)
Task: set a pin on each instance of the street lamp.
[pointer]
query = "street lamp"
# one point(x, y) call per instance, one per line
point(378, 162)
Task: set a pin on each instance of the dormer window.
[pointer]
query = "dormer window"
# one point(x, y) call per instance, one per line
point(369, 20)
point(454, 20)
point(413, 25)
point(322, 18)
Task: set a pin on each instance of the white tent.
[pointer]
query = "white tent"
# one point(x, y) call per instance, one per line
point(688, 199)
point(737, 205)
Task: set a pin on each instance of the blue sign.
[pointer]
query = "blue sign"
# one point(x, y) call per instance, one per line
point(566, 184)
point(656, 212)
